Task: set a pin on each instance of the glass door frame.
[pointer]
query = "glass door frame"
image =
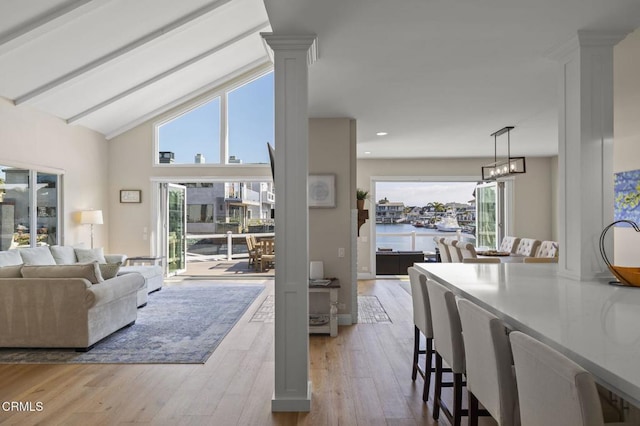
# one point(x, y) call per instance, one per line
point(504, 209)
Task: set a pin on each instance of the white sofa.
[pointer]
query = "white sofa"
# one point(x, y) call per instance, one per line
point(68, 255)
point(63, 306)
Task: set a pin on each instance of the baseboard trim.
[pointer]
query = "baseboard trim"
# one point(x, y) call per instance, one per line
point(299, 405)
point(345, 319)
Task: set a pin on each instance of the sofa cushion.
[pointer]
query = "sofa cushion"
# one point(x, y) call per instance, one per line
point(11, 257)
point(11, 271)
point(64, 255)
point(109, 270)
point(88, 271)
point(90, 255)
point(37, 256)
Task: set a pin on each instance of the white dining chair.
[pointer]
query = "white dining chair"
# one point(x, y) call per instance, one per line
point(509, 244)
point(454, 252)
point(467, 250)
point(422, 326)
point(445, 257)
point(527, 247)
point(547, 249)
point(490, 377)
point(552, 389)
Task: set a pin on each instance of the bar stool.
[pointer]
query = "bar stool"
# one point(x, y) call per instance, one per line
point(449, 346)
point(490, 377)
point(552, 389)
point(422, 325)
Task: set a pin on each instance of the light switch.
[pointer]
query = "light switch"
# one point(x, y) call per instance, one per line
point(341, 252)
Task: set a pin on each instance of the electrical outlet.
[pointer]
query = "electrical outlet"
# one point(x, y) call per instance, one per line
point(341, 252)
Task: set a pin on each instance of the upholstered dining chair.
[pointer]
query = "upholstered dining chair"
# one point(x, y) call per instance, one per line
point(467, 250)
point(454, 252)
point(552, 389)
point(490, 377)
point(509, 244)
point(547, 249)
point(422, 326)
point(527, 247)
point(449, 347)
point(445, 257)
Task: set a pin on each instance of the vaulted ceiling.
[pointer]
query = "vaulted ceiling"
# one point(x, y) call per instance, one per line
point(111, 64)
point(437, 75)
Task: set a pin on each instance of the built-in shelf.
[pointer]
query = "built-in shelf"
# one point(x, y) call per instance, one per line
point(363, 215)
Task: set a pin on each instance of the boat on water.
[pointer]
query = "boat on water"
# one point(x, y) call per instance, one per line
point(448, 223)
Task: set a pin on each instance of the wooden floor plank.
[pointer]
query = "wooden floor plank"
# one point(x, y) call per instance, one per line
point(360, 377)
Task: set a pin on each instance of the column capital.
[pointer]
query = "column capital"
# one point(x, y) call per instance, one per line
point(284, 42)
point(586, 38)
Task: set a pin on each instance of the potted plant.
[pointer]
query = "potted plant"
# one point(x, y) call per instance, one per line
point(361, 195)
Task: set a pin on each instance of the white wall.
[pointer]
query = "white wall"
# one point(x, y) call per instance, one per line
point(626, 130)
point(32, 139)
point(534, 193)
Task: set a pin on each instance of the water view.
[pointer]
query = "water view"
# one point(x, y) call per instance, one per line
point(423, 237)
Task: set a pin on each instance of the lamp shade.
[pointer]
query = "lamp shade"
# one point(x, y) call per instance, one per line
point(91, 217)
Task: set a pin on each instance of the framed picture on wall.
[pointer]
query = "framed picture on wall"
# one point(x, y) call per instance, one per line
point(130, 196)
point(322, 191)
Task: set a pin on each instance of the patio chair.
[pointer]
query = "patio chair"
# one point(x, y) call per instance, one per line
point(253, 250)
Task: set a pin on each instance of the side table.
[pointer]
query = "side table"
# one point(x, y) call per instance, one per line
point(325, 322)
point(144, 260)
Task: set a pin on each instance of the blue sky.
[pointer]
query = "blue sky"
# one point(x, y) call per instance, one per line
point(250, 126)
point(422, 193)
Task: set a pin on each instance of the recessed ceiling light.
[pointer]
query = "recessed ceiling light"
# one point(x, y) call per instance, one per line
point(367, 152)
point(381, 134)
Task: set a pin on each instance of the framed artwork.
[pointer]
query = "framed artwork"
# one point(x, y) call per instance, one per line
point(627, 196)
point(322, 191)
point(130, 196)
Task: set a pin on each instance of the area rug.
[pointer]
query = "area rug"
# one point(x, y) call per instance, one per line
point(370, 311)
point(179, 325)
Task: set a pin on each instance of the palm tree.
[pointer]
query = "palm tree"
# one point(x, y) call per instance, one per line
point(438, 207)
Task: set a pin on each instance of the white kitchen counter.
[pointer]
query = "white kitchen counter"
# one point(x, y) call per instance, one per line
point(595, 324)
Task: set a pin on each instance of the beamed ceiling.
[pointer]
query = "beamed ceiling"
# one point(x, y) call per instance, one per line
point(109, 65)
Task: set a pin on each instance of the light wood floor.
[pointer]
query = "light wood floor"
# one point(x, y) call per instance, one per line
point(361, 377)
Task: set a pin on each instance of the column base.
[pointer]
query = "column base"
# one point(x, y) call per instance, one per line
point(302, 405)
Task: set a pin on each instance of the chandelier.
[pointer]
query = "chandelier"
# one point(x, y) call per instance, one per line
point(506, 166)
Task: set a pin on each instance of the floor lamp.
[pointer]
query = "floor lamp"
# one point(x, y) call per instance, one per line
point(91, 217)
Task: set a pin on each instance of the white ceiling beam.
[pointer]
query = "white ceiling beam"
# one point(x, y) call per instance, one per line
point(39, 26)
point(191, 18)
point(169, 72)
point(257, 67)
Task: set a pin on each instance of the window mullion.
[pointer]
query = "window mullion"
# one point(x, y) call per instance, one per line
point(224, 135)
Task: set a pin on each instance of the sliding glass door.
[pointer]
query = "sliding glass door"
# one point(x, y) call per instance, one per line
point(28, 211)
point(489, 214)
point(176, 228)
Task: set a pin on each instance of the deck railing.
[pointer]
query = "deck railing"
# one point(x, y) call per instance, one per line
point(226, 246)
point(416, 242)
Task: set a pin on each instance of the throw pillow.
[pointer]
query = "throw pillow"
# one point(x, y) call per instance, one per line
point(109, 270)
point(37, 256)
point(89, 271)
point(90, 255)
point(11, 257)
point(11, 271)
point(64, 255)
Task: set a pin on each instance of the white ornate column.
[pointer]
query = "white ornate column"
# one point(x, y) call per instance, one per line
point(585, 158)
point(292, 55)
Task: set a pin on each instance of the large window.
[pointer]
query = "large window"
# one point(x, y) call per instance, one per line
point(19, 199)
point(250, 120)
point(233, 128)
point(192, 138)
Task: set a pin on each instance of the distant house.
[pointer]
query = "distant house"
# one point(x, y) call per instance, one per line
point(389, 212)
